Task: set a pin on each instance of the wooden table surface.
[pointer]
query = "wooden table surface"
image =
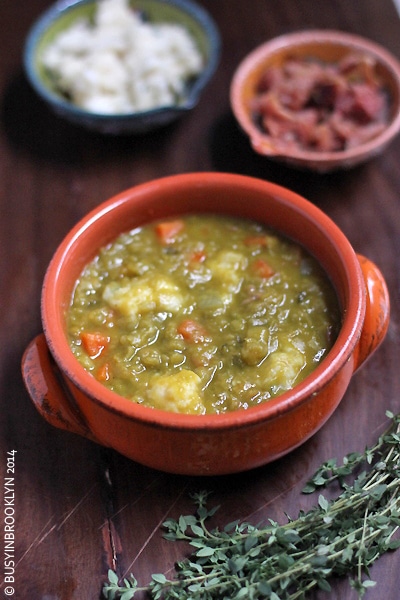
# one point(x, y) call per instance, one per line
point(80, 508)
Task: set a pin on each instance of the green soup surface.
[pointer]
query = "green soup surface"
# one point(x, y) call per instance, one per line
point(202, 314)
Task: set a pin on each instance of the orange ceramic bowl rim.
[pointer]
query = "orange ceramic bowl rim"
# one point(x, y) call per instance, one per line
point(148, 196)
point(251, 66)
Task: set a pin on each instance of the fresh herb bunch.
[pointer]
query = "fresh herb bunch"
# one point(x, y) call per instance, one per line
point(337, 537)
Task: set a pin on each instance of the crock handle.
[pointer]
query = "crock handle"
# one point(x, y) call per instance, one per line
point(48, 391)
point(377, 313)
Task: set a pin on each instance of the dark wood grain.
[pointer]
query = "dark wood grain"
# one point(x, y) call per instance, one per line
point(80, 508)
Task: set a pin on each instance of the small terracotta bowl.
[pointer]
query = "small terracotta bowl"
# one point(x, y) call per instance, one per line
point(328, 46)
point(68, 397)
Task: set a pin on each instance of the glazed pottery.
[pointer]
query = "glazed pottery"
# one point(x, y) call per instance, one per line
point(327, 46)
point(60, 15)
point(68, 397)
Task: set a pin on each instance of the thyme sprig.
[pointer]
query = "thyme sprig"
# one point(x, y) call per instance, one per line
point(339, 537)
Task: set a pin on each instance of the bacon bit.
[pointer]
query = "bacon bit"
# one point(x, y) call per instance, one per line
point(192, 331)
point(94, 344)
point(103, 372)
point(326, 138)
point(262, 268)
point(168, 230)
point(367, 103)
point(272, 77)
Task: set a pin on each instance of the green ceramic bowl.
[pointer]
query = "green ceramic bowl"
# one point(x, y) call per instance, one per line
point(61, 15)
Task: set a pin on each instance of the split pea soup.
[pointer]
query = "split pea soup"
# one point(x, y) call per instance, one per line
point(202, 314)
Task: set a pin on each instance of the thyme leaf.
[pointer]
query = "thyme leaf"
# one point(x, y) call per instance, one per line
point(339, 537)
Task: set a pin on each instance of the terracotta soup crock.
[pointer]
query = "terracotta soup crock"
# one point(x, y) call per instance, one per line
point(68, 397)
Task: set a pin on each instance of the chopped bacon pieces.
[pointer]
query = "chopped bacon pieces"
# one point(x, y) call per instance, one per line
point(311, 105)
